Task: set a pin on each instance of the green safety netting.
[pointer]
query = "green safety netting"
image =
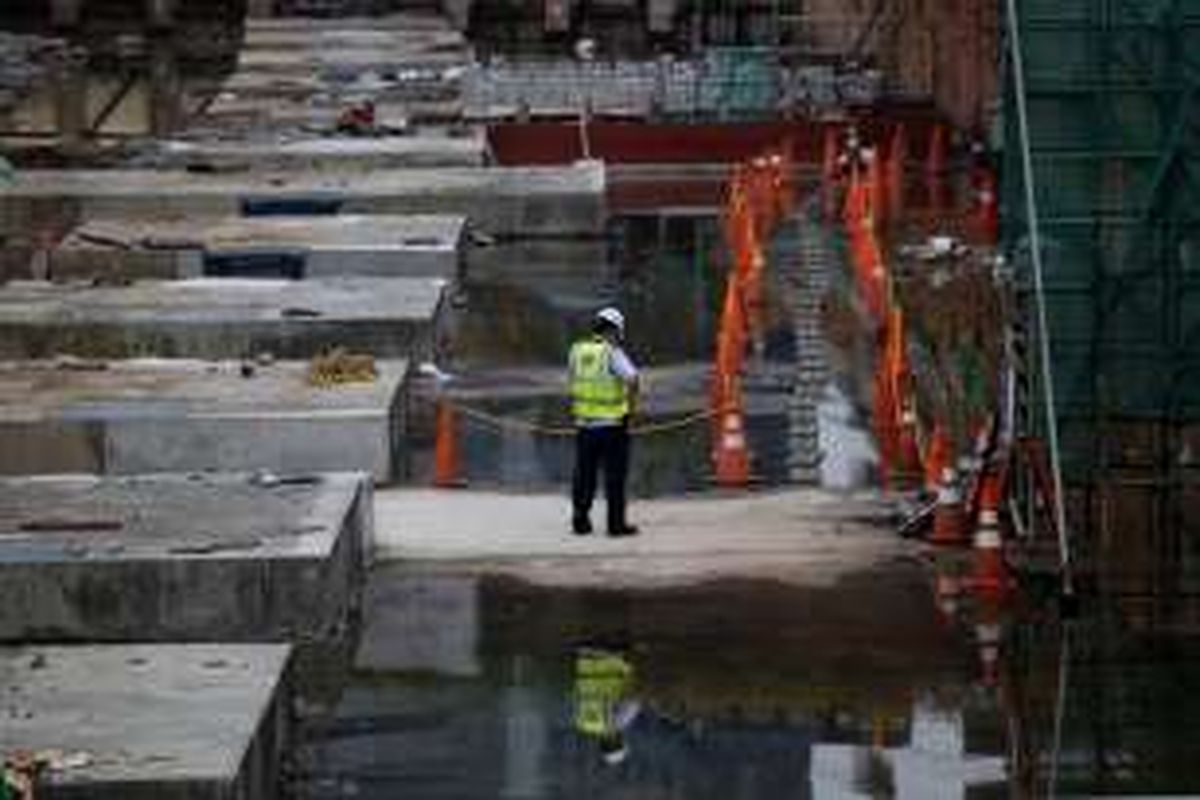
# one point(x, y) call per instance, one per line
point(1114, 118)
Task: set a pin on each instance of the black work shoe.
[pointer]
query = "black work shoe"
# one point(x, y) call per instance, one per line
point(581, 527)
point(624, 530)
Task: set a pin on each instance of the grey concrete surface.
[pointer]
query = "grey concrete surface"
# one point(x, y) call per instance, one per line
point(150, 722)
point(220, 318)
point(116, 250)
point(341, 36)
point(431, 149)
point(334, 55)
point(505, 201)
point(148, 415)
point(224, 557)
point(801, 536)
point(389, 23)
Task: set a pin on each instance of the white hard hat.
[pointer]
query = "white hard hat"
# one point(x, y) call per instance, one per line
point(613, 317)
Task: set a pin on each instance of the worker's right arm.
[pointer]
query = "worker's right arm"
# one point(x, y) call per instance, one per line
point(623, 367)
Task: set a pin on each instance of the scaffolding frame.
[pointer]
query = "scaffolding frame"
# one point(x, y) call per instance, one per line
point(1115, 142)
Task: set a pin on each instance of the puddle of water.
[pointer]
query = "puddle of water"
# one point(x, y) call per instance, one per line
point(470, 687)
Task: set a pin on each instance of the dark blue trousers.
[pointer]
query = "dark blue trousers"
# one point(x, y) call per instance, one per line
point(603, 447)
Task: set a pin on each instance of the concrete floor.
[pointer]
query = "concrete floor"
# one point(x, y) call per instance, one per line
point(805, 537)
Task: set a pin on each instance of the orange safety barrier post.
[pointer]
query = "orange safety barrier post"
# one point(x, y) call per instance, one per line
point(446, 462)
point(990, 575)
point(731, 456)
point(938, 455)
point(949, 515)
point(882, 405)
point(987, 208)
point(895, 421)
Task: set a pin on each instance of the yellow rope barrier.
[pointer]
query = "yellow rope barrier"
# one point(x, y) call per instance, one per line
point(514, 423)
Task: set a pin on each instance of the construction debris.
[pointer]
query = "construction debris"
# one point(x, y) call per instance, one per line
point(339, 366)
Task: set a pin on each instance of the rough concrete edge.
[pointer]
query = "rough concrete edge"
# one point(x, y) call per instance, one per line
point(274, 716)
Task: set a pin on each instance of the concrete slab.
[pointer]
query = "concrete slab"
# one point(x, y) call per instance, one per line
point(117, 250)
point(385, 152)
point(349, 37)
point(220, 318)
point(266, 105)
point(395, 56)
point(390, 23)
point(803, 537)
point(139, 416)
point(136, 722)
point(181, 558)
point(511, 201)
point(318, 90)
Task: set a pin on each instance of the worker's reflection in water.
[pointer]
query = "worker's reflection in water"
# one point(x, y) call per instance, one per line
point(605, 705)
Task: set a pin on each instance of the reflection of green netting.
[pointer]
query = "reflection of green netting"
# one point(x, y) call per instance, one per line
point(1112, 90)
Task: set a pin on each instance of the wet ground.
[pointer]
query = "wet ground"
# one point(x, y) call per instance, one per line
point(469, 687)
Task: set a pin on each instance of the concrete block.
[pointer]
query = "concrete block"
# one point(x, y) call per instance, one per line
point(505, 201)
point(220, 318)
point(188, 416)
point(151, 722)
point(390, 152)
point(181, 558)
point(118, 250)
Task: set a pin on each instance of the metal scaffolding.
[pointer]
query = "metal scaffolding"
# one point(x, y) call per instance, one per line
point(1114, 134)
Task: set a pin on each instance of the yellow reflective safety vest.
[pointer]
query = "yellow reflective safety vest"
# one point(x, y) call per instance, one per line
point(597, 395)
point(602, 680)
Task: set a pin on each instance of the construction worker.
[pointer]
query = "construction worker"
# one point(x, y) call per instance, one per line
point(604, 702)
point(604, 390)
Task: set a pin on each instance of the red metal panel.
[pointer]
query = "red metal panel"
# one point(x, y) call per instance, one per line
point(674, 143)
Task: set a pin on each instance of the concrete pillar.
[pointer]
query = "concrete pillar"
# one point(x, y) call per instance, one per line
point(459, 12)
point(66, 13)
point(70, 102)
point(163, 95)
point(660, 15)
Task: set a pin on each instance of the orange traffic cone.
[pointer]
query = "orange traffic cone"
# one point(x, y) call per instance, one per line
point(446, 464)
point(731, 456)
point(990, 576)
point(987, 210)
point(949, 517)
